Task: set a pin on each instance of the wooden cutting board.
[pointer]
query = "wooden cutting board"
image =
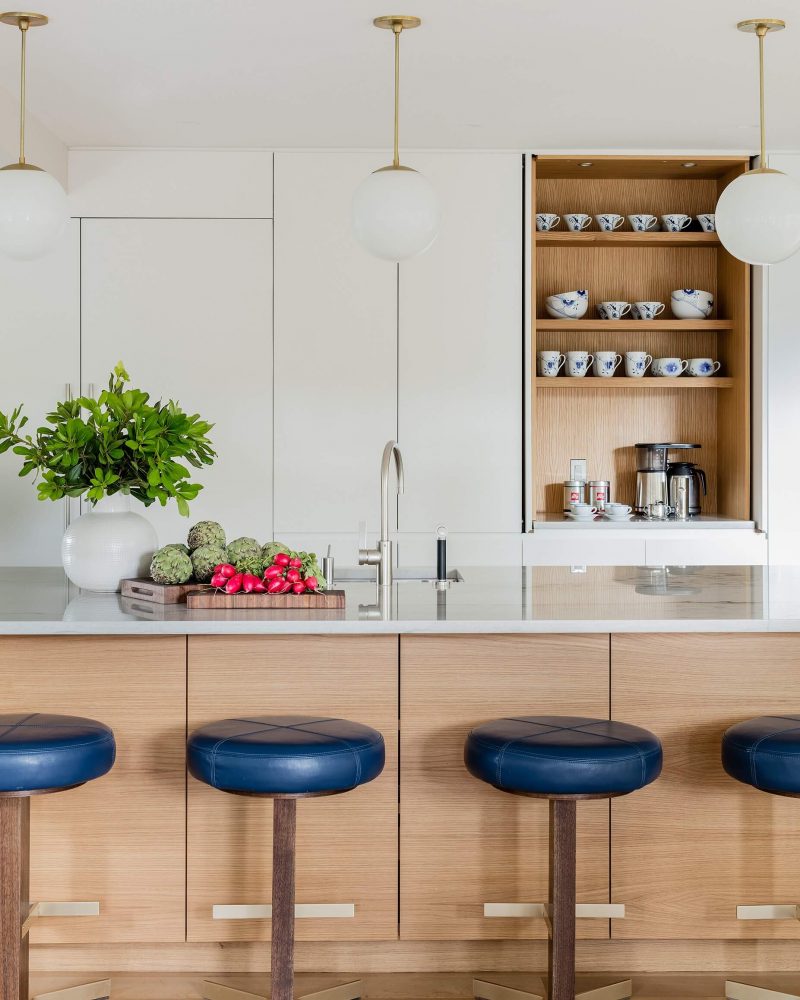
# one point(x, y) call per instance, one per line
point(144, 589)
point(210, 600)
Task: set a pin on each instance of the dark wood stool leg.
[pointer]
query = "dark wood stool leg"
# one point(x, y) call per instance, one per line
point(561, 948)
point(284, 827)
point(14, 905)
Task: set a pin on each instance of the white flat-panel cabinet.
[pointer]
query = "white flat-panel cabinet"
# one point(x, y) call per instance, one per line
point(335, 350)
point(186, 304)
point(39, 331)
point(460, 393)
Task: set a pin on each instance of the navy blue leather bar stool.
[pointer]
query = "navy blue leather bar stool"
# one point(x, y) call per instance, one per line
point(285, 758)
point(764, 753)
point(39, 754)
point(563, 759)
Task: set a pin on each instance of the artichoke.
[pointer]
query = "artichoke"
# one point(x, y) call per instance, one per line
point(246, 550)
point(205, 533)
point(170, 565)
point(271, 549)
point(205, 558)
point(178, 546)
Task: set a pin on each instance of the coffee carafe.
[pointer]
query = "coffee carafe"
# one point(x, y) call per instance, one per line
point(697, 481)
point(652, 486)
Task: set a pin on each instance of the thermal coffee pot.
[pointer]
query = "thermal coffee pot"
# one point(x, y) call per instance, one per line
point(697, 481)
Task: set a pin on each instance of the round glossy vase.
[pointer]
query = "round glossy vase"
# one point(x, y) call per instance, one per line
point(108, 544)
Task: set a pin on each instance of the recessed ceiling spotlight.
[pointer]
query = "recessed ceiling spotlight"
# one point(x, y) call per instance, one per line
point(586, 163)
point(689, 163)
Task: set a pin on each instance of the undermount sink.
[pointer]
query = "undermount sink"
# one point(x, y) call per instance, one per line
point(411, 574)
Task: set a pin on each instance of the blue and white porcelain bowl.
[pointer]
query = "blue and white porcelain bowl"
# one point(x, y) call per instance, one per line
point(691, 303)
point(567, 305)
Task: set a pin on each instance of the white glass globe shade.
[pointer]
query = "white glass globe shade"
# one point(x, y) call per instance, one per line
point(395, 213)
point(758, 217)
point(33, 212)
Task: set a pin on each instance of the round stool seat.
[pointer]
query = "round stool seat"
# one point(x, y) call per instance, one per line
point(286, 755)
point(765, 753)
point(43, 752)
point(563, 755)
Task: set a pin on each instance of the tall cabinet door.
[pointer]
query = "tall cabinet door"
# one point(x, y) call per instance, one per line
point(460, 369)
point(335, 353)
point(463, 843)
point(186, 304)
point(693, 846)
point(39, 328)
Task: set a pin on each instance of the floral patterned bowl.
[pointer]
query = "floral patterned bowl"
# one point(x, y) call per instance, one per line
point(691, 303)
point(567, 305)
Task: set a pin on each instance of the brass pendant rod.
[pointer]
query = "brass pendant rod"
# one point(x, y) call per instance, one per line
point(761, 32)
point(397, 29)
point(23, 27)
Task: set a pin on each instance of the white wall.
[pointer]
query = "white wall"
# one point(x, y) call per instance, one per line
point(780, 317)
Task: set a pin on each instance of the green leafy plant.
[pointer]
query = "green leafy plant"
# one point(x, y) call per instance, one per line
point(118, 443)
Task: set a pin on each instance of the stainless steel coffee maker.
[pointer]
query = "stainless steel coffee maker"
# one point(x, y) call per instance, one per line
point(651, 474)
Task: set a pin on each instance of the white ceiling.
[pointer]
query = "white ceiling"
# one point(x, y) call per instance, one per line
point(494, 74)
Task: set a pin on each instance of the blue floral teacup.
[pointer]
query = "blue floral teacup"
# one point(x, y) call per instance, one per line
point(703, 367)
point(637, 363)
point(606, 363)
point(567, 305)
point(669, 367)
point(545, 221)
point(608, 221)
point(643, 223)
point(576, 221)
point(676, 222)
point(708, 222)
point(549, 363)
point(578, 363)
point(614, 310)
point(647, 310)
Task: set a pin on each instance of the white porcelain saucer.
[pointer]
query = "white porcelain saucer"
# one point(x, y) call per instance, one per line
point(581, 517)
point(625, 517)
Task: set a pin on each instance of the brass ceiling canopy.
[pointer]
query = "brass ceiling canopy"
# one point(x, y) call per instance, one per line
point(766, 23)
point(397, 22)
point(22, 21)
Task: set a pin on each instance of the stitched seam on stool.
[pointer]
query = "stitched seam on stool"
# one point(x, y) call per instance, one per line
point(61, 749)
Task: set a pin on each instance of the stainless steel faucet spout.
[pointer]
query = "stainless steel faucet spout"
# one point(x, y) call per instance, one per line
point(382, 556)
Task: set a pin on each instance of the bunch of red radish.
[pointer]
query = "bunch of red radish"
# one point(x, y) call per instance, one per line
point(284, 576)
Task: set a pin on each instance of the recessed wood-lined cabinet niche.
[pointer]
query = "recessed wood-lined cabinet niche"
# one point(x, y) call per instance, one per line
point(601, 419)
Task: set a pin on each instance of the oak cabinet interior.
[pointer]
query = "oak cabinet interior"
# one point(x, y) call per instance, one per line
point(601, 419)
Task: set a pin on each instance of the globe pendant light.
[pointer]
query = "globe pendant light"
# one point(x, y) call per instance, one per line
point(33, 205)
point(395, 210)
point(758, 214)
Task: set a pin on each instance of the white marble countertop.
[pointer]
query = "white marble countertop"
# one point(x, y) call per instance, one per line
point(489, 600)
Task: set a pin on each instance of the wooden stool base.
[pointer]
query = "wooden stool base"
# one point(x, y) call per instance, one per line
point(347, 991)
point(101, 990)
point(742, 991)
point(484, 990)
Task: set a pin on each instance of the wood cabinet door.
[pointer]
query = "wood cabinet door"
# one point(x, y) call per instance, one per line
point(346, 844)
point(119, 840)
point(694, 845)
point(464, 843)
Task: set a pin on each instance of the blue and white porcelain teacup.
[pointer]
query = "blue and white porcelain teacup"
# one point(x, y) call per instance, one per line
point(576, 221)
point(669, 367)
point(643, 223)
point(647, 310)
point(675, 222)
point(606, 363)
point(545, 221)
point(549, 363)
point(609, 221)
point(703, 367)
point(567, 305)
point(613, 310)
point(578, 363)
point(637, 363)
point(708, 222)
point(691, 303)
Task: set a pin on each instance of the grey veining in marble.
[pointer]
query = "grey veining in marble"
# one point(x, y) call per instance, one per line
point(531, 599)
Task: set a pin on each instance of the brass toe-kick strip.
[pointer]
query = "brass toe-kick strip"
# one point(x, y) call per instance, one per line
point(88, 991)
point(583, 911)
point(616, 991)
point(483, 990)
point(346, 991)
point(263, 911)
point(743, 991)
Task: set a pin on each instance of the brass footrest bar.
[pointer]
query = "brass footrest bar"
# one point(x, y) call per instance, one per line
point(483, 990)
point(742, 991)
point(583, 911)
point(263, 911)
point(346, 991)
point(88, 991)
point(770, 911)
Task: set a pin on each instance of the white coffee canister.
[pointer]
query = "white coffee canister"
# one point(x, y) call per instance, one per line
point(107, 544)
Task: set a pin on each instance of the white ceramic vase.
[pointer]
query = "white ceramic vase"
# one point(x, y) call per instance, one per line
point(107, 544)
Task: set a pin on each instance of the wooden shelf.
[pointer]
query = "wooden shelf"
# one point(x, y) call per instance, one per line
point(623, 382)
point(626, 239)
point(609, 325)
